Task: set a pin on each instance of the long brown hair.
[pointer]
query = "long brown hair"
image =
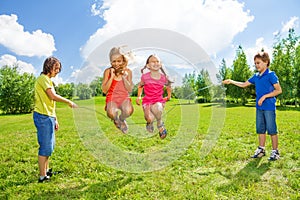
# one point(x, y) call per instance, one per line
point(49, 64)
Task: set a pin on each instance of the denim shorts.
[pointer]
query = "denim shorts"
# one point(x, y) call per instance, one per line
point(45, 126)
point(266, 121)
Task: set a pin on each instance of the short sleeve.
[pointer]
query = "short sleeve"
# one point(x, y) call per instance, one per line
point(45, 83)
point(252, 79)
point(273, 78)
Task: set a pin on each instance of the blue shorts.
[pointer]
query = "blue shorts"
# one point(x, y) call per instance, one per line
point(45, 126)
point(266, 121)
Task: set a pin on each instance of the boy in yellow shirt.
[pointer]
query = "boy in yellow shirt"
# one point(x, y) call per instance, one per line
point(44, 115)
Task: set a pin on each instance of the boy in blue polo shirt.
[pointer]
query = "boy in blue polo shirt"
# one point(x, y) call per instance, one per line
point(267, 87)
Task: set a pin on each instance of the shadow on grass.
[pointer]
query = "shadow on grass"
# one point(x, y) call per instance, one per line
point(102, 190)
point(251, 173)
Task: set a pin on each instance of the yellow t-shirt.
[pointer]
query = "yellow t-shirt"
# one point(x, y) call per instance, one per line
point(43, 104)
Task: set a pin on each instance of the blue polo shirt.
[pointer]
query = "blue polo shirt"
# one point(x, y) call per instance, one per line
point(264, 85)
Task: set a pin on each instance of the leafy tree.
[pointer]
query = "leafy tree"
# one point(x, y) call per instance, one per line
point(83, 91)
point(189, 87)
point(297, 74)
point(95, 86)
point(66, 90)
point(224, 71)
point(135, 90)
point(16, 91)
point(241, 72)
point(284, 58)
point(201, 84)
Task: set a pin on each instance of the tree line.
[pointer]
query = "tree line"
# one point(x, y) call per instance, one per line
point(285, 63)
point(17, 90)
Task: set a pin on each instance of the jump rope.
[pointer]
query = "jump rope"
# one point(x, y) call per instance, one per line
point(165, 113)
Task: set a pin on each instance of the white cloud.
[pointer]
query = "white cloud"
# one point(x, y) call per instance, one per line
point(95, 10)
point(11, 61)
point(259, 45)
point(212, 23)
point(86, 74)
point(58, 80)
point(292, 23)
point(13, 37)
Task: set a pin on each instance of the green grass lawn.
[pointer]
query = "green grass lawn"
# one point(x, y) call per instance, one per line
point(195, 161)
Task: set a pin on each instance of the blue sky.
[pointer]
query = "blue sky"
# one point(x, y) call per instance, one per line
point(32, 30)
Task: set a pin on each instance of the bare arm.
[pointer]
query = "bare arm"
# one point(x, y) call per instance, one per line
point(239, 84)
point(55, 97)
point(139, 93)
point(127, 79)
point(108, 77)
point(169, 92)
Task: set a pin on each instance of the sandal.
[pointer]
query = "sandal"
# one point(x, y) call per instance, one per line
point(117, 123)
point(149, 127)
point(123, 127)
point(162, 131)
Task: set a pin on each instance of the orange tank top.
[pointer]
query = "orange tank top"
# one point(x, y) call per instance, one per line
point(117, 92)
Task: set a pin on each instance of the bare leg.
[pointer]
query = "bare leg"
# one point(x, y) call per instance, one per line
point(149, 117)
point(274, 139)
point(126, 110)
point(157, 110)
point(43, 164)
point(112, 110)
point(262, 139)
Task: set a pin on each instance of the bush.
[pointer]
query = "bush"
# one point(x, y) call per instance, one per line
point(202, 100)
point(16, 91)
point(83, 91)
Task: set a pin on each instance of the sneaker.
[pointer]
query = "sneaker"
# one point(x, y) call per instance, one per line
point(49, 172)
point(274, 155)
point(259, 152)
point(46, 178)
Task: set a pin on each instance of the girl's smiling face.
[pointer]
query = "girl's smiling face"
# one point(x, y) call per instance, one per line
point(154, 63)
point(117, 61)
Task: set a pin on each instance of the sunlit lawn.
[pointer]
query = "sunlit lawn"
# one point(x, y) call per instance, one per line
point(226, 171)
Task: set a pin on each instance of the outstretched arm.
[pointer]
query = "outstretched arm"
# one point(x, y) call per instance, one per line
point(55, 97)
point(239, 84)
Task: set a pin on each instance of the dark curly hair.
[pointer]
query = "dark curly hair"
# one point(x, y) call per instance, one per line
point(49, 64)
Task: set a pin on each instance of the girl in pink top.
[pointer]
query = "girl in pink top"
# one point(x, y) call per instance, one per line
point(153, 102)
point(117, 84)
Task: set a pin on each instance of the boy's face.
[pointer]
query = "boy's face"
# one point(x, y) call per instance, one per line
point(55, 70)
point(260, 65)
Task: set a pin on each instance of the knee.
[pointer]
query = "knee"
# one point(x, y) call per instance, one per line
point(128, 111)
point(110, 114)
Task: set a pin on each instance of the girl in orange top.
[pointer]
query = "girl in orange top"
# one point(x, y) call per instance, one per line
point(117, 84)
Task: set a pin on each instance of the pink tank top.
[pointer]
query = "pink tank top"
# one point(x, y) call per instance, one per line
point(153, 89)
